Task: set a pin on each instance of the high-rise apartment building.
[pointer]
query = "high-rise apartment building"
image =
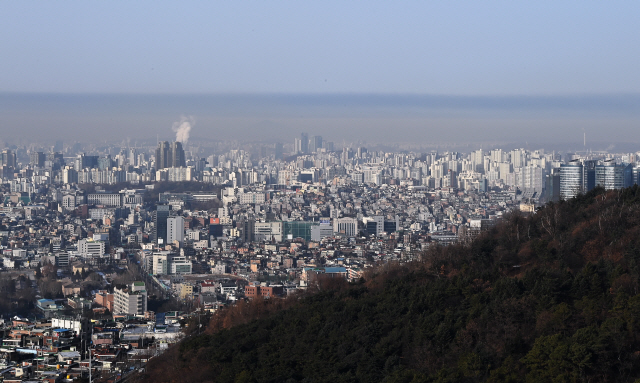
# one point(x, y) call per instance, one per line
point(532, 179)
point(497, 155)
point(477, 160)
point(132, 157)
point(69, 175)
point(518, 157)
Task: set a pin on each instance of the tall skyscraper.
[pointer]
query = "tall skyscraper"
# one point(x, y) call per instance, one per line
point(177, 155)
point(160, 217)
point(57, 160)
point(518, 157)
point(315, 144)
point(532, 178)
point(570, 179)
point(477, 161)
point(132, 157)
point(8, 158)
point(589, 174)
point(105, 163)
point(162, 155)
point(304, 143)
point(552, 189)
point(169, 155)
point(497, 155)
point(37, 159)
point(453, 180)
point(84, 161)
point(279, 151)
point(610, 175)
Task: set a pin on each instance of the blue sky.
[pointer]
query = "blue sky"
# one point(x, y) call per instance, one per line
point(410, 71)
point(416, 47)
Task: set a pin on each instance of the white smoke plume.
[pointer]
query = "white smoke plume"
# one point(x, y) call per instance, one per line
point(183, 128)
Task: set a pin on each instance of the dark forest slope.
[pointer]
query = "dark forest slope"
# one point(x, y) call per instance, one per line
point(552, 297)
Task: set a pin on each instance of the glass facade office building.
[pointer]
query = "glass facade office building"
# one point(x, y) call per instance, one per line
point(610, 176)
point(581, 176)
point(298, 229)
point(571, 178)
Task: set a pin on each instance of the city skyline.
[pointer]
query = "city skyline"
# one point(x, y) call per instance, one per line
point(606, 120)
point(359, 191)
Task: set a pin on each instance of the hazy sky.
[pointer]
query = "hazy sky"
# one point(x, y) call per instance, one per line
point(390, 71)
point(432, 47)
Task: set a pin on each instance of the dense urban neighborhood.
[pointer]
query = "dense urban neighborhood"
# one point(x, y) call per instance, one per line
point(109, 258)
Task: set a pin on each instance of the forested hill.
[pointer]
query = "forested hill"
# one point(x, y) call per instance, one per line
point(551, 297)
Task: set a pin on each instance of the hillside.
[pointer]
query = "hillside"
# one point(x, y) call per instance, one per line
point(551, 297)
